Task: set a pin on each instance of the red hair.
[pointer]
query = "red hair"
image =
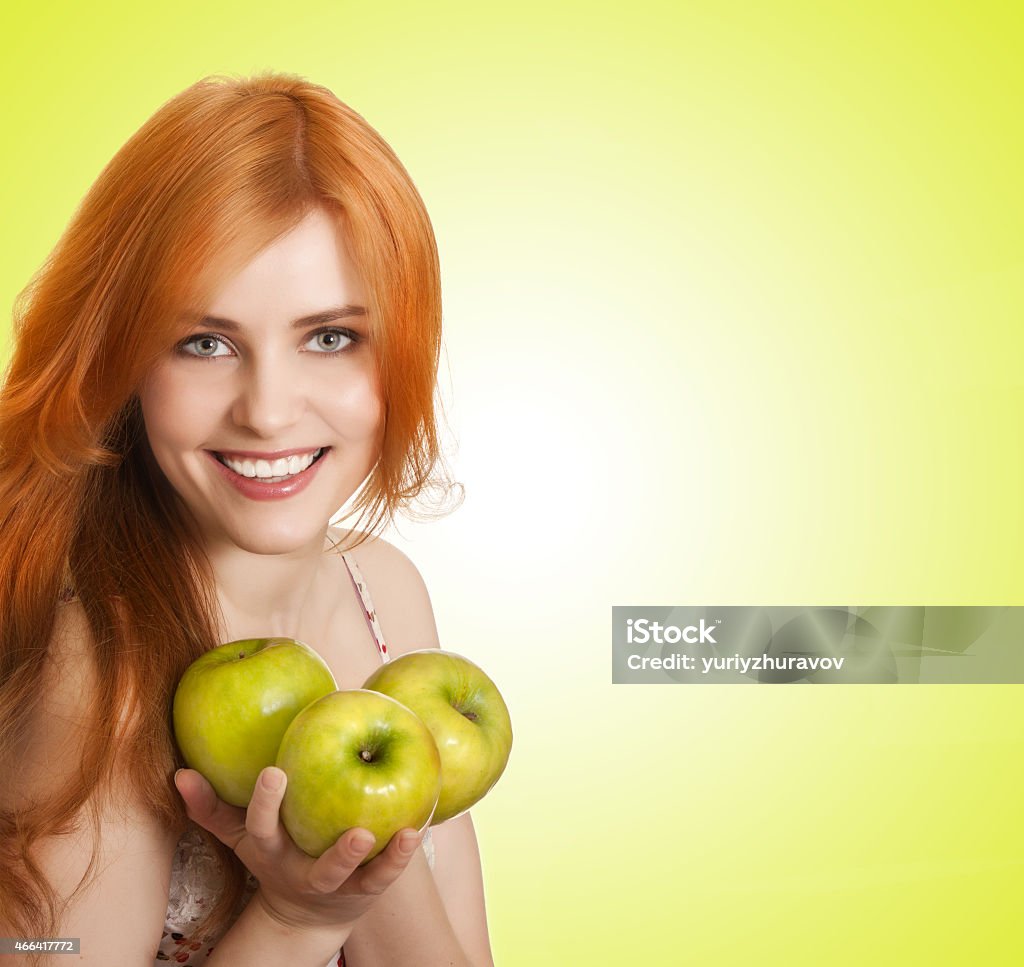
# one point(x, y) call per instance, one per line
point(219, 172)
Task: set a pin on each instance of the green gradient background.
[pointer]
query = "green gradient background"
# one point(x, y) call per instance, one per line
point(733, 303)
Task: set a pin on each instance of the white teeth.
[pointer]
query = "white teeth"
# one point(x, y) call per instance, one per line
point(274, 472)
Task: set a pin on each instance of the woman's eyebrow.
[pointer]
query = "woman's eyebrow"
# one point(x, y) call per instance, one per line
point(316, 319)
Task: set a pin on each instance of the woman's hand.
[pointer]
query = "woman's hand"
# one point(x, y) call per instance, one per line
point(297, 890)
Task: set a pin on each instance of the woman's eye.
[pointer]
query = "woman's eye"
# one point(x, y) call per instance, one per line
point(205, 345)
point(331, 340)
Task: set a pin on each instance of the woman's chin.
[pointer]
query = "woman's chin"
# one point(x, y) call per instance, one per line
point(274, 540)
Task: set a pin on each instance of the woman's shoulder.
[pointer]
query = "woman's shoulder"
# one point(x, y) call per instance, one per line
point(49, 749)
point(399, 593)
point(375, 553)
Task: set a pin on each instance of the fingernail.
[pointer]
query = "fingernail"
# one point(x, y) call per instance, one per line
point(407, 842)
point(362, 842)
point(273, 780)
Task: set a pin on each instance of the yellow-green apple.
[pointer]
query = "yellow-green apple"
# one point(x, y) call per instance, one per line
point(233, 704)
point(466, 715)
point(356, 758)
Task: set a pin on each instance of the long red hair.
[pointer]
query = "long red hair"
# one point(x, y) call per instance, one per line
point(216, 174)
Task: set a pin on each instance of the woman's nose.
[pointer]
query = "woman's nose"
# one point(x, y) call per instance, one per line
point(270, 398)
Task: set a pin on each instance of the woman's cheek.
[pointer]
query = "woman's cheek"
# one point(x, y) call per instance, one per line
point(178, 412)
point(358, 410)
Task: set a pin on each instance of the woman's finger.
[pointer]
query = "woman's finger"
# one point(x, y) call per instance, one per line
point(388, 865)
point(263, 817)
point(203, 806)
point(338, 863)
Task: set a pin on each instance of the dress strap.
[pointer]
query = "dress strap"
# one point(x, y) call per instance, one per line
point(363, 590)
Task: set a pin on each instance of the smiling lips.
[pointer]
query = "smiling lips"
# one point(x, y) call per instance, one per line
point(260, 478)
point(271, 471)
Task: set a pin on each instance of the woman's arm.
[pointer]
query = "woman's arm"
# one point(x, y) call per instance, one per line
point(442, 912)
point(460, 882)
point(119, 916)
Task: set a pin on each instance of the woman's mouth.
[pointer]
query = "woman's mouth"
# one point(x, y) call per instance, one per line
point(276, 471)
point(269, 479)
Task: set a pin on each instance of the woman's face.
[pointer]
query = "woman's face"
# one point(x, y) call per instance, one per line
point(280, 371)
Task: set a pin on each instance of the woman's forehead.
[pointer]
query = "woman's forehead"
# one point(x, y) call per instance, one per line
point(307, 269)
point(311, 262)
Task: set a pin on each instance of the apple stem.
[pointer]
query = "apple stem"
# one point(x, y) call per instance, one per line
point(366, 756)
point(472, 716)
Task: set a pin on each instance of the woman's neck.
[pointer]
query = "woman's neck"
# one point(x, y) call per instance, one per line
point(267, 595)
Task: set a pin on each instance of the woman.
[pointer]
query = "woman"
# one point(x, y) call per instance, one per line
point(237, 333)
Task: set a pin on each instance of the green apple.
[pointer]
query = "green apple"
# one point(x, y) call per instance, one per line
point(464, 712)
point(356, 758)
point(234, 703)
